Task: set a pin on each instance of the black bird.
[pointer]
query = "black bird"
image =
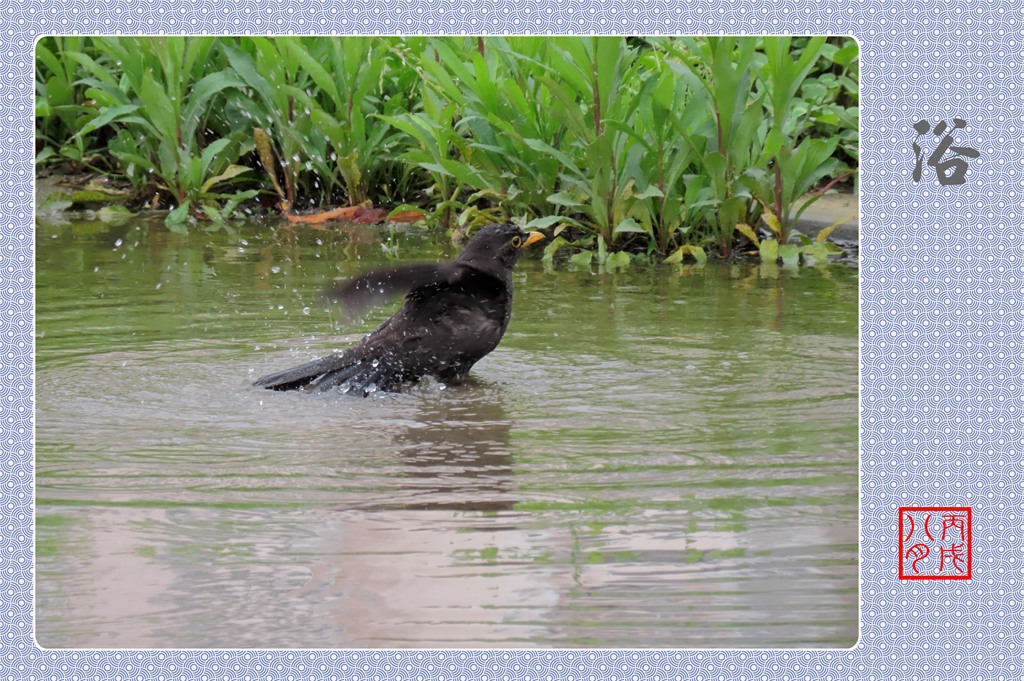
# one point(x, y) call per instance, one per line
point(454, 313)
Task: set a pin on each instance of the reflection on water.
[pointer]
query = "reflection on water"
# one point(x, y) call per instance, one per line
point(457, 455)
point(651, 459)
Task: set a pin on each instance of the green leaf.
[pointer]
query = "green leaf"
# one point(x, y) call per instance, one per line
point(330, 127)
point(772, 143)
point(43, 108)
point(815, 253)
point(769, 250)
point(102, 74)
point(696, 252)
point(729, 216)
point(652, 192)
point(44, 154)
point(193, 169)
point(630, 225)
point(238, 197)
point(198, 51)
point(563, 199)
point(105, 97)
point(772, 221)
point(566, 162)
point(176, 219)
point(716, 165)
point(824, 234)
point(846, 54)
point(814, 91)
point(617, 261)
point(114, 214)
point(810, 162)
point(230, 172)
point(463, 172)
point(790, 255)
point(415, 128)
point(71, 152)
point(210, 152)
point(315, 69)
point(158, 107)
point(44, 55)
point(243, 65)
point(106, 117)
point(547, 221)
point(747, 231)
point(553, 247)
point(582, 259)
point(201, 97)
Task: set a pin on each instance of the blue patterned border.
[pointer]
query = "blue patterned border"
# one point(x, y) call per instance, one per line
point(941, 328)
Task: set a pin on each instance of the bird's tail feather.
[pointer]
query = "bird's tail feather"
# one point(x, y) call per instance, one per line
point(304, 374)
point(348, 374)
point(355, 378)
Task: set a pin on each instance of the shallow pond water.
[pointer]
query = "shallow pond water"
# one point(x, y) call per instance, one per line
point(661, 458)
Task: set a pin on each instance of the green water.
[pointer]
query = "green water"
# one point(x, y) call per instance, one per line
point(660, 458)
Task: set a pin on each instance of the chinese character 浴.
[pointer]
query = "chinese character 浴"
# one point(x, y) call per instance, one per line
point(952, 170)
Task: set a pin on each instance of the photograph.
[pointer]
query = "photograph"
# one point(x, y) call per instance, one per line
point(451, 342)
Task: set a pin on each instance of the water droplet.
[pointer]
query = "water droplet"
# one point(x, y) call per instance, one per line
point(305, 310)
point(275, 269)
point(117, 244)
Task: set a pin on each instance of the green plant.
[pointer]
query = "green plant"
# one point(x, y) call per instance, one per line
point(829, 97)
point(501, 108)
point(630, 149)
point(724, 65)
point(595, 81)
point(279, 77)
point(796, 167)
point(437, 151)
point(161, 102)
point(347, 110)
point(61, 107)
point(810, 251)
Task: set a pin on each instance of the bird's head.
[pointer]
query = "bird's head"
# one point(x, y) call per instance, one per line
point(497, 244)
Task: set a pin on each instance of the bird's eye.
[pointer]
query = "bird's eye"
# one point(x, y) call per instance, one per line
point(517, 241)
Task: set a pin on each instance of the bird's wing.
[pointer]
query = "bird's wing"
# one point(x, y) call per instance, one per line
point(377, 286)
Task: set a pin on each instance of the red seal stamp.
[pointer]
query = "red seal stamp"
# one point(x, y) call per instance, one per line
point(935, 542)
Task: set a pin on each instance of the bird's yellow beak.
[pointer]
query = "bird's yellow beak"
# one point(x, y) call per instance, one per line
point(532, 238)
